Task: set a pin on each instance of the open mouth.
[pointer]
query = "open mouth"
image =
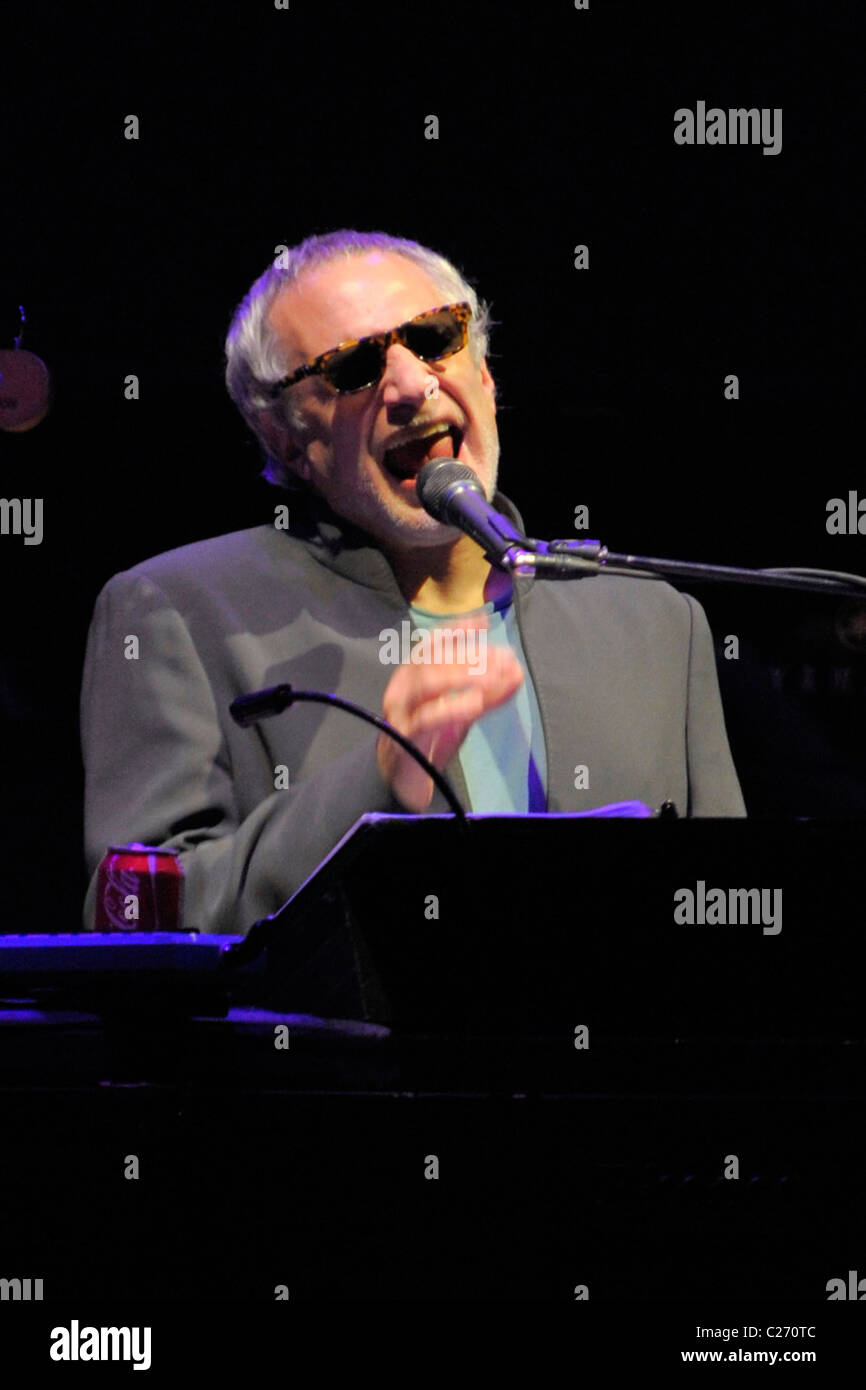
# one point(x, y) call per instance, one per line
point(407, 460)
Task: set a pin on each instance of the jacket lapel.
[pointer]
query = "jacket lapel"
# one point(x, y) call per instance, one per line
point(348, 551)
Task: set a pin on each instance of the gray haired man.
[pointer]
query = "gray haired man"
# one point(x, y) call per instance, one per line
point(355, 359)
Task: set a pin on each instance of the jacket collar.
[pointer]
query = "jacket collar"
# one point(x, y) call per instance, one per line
point(344, 548)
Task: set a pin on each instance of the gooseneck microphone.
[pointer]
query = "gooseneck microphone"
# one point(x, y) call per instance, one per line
point(451, 492)
point(263, 704)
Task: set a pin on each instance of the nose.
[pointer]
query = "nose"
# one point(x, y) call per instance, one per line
point(405, 377)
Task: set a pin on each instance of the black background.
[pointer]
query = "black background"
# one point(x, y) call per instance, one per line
point(260, 127)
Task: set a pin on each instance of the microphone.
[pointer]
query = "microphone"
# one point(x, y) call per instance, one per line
point(262, 704)
point(451, 492)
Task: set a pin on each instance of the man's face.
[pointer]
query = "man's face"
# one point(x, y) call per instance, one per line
point(346, 461)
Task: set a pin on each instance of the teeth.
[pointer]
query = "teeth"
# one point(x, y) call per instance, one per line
point(416, 439)
point(428, 439)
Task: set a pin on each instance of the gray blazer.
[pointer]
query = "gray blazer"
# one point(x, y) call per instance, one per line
point(624, 671)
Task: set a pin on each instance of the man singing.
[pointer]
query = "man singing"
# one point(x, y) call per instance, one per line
point(356, 358)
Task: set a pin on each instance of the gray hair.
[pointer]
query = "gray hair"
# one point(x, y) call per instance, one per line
point(254, 360)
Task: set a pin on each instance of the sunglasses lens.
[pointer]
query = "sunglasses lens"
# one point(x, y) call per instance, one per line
point(356, 367)
point(435, 337)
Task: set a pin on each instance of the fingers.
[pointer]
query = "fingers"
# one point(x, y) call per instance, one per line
point(457, 710)
point(435, 705)
point(440, 726)
point(435, 702)
point(413, 687)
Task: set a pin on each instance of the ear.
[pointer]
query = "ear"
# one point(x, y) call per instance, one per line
point(487, 381)
point(282, 444)
point(294, 456)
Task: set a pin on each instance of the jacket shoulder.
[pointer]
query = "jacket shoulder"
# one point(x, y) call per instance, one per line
point(626, 599)
point(236, 560)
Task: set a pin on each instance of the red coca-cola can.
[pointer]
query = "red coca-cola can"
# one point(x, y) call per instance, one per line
point(140, 888)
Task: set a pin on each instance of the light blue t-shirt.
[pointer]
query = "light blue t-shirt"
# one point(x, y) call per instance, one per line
point(502, 756)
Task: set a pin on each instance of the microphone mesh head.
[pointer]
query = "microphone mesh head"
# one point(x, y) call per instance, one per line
point(434, 482)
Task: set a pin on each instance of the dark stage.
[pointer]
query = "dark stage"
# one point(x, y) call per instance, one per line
point(675, 346)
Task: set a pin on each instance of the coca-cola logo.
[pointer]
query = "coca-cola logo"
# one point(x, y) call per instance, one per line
point(120, 884)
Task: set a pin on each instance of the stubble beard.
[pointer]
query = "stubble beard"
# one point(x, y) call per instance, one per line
point(396, 524)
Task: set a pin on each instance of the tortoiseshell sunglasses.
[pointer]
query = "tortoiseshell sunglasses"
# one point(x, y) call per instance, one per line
point(360, 362)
